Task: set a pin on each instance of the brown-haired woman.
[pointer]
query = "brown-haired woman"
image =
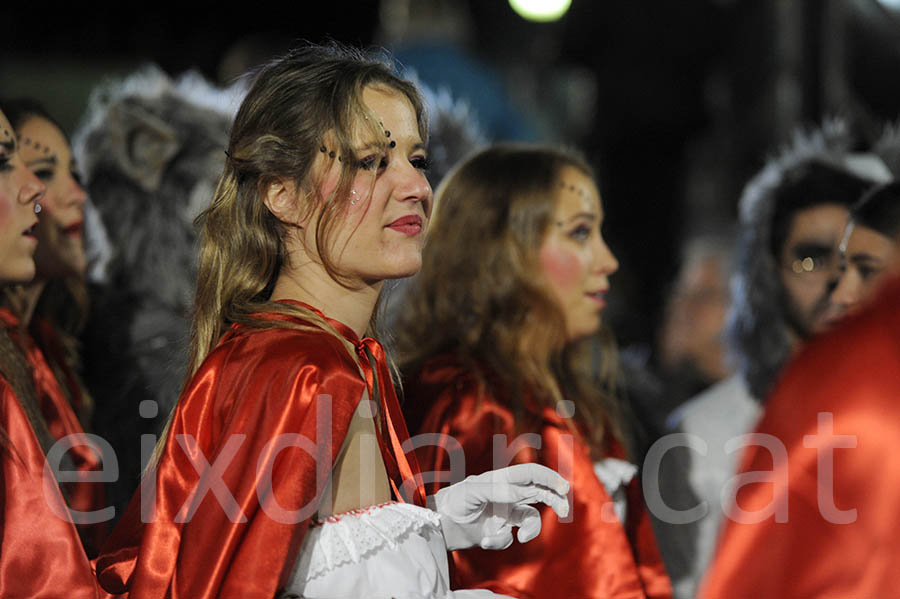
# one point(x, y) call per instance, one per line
point(45, 316)
point(40, 551)
point(492, 342)
point(278, 475)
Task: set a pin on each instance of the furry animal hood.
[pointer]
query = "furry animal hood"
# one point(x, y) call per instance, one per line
point(151, 150)
point(757, 324)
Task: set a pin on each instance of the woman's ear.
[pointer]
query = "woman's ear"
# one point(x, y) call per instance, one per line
point(283, 201)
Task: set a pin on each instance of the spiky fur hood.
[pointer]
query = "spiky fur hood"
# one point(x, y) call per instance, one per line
point(151, 150)
point(757, 324)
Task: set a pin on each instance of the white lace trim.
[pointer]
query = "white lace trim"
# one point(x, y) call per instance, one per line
point(614, 473)
point(350, 536)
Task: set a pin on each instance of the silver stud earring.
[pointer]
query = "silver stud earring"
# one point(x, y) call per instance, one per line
point(37, 208)
point(354, 199)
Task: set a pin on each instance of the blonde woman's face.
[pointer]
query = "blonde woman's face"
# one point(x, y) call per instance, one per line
point(19, 189)
point(574, 258)
point(390, 199)
point(48, 155)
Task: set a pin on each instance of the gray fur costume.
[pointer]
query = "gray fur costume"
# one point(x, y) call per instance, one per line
point(151, 151)
point(757, 325)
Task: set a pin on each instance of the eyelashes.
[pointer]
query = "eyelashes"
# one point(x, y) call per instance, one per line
point(44, 174)
point(422, 163)
point(580, 233)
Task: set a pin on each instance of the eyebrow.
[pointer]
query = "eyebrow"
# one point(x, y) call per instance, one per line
point(49, 160)
point(419, 145)
point(576, 216)
point(804, 248)
point(864, 258)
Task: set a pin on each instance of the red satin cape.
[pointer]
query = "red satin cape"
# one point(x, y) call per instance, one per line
point(40, 553)
point(256, 387)
point(853, 375)
point(59, 414)
point(592, 555)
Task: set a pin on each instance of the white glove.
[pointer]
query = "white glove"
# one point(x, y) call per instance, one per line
point(482, 510)
point(475, 594)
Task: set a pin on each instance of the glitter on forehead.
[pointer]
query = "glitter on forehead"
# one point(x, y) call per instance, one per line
point(578, 189)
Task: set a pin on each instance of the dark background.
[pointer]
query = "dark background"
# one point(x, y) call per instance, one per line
point(676, 103)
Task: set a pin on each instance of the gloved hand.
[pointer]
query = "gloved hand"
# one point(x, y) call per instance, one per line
point(482, 510)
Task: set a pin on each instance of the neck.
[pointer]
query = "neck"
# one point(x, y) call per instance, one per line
point(311, 284)
point(24, 299)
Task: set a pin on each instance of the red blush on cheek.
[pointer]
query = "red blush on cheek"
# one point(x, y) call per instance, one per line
point(562, 268)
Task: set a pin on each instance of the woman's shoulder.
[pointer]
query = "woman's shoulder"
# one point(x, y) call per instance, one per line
point(282, 347)
point(446, 388)
point(284, 365)
point(449, 370)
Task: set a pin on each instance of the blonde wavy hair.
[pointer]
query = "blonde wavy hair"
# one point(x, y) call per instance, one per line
point(480, 294)
point(280, 128)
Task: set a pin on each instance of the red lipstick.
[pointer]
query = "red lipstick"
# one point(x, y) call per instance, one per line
point(599, 297)
point(410, 225)
point(31, 231)
point(74, 230)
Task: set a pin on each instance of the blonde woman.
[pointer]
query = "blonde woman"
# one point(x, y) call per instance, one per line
point(493, 345)
point(283, 470)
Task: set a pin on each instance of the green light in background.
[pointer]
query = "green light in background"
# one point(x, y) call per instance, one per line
point(540, 10)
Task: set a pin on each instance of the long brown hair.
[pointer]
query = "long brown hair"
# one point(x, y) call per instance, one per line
point(293, 103)
point(480, 294)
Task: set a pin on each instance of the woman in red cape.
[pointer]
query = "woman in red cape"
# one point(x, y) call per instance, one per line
point(40, 551)
point(282, 471)
point(45, 315)
point(493, 349)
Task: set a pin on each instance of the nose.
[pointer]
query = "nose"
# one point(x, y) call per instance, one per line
point(32, 188)
point(76, 195)
point(605, 261)
point(413, 186)
point(847, 293)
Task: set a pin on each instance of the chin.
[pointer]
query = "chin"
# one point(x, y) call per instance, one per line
point(17, 273)
point(587, 329)
point(405, 268)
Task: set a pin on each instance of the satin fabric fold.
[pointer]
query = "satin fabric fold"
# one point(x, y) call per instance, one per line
point(59, 413)
point(278, 397)
point(403, 469)
point(840, 394)
point(40, 552)
point(591, 555)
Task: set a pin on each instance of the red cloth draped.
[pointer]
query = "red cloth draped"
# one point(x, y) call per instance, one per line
point(257, 387)
point(40, 553)
point(849, 381)
point(592, 555)
point(62, 421)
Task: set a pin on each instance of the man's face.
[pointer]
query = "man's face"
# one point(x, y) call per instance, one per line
point(809, 265)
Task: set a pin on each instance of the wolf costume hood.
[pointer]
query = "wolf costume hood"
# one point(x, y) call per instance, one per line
point(757, 326)
point(151, 150)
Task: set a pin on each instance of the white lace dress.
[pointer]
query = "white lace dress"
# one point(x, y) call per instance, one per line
point(388, 551)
